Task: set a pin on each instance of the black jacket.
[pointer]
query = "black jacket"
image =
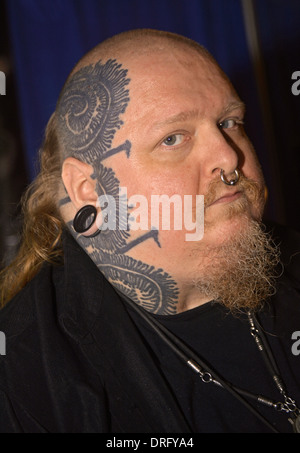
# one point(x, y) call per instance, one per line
point(75, 361)
point(71, 344)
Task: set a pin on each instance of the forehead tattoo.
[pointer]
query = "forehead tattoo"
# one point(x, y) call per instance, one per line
point(89, 115)
point(89, 110)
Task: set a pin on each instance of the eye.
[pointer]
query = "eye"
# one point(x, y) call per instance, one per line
point(230, 123)
point(173, 140)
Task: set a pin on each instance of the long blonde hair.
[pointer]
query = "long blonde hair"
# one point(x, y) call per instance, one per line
point(42, 223)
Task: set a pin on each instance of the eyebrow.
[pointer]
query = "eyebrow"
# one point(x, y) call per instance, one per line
point(182, 116)
point(192, 114)
point(234, 105)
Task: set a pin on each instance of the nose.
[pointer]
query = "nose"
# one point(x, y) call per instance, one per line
point(221, 154)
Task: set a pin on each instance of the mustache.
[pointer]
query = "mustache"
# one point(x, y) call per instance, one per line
point(252, 191)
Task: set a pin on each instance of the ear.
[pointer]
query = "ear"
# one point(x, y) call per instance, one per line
point(78, 181)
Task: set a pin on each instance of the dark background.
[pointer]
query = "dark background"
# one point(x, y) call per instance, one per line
point(257, 43)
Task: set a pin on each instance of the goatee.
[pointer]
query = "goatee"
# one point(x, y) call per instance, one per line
point(241, 272)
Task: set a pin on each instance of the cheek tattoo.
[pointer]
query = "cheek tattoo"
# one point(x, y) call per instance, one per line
point(88, 117)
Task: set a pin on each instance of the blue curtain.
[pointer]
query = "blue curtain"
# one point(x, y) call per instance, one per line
point(48, 38)
point(279, 29)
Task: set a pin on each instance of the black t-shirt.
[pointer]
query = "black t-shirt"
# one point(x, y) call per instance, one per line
point(225, 343)
point(75, 362)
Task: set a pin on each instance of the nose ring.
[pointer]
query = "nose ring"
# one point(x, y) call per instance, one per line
point(231, 182)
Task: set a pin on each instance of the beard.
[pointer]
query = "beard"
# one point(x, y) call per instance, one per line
point(240, 272)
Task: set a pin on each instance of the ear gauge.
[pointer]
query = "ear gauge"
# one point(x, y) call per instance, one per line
point(84, 221)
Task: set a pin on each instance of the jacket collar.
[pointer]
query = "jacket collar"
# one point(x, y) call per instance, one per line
point(83, 286)
point(96, 318)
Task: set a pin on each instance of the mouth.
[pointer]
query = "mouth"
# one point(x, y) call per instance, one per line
point(227, 198)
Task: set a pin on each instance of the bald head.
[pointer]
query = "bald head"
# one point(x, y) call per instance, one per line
point(95, 95)
point(134, 43)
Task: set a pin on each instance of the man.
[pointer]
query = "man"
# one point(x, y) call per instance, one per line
point(137, 325)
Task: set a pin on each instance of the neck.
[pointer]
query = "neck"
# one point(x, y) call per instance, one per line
point(150, 287)
point(190, 297)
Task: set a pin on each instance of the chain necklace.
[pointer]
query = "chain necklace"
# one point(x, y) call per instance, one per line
point(288, 405)
point(207, 375)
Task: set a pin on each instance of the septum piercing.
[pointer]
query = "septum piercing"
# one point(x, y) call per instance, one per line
point(231, 182)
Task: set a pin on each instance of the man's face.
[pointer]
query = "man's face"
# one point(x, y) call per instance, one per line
point(183, 121)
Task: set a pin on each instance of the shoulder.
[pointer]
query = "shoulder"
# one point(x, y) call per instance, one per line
point(19, 313)
point(284, 308)
point(288, 241)
point(287, 238)
point(43, 371)
point(26, 320)
point(21, 362)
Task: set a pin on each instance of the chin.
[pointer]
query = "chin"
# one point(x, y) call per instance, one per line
point(228, 221)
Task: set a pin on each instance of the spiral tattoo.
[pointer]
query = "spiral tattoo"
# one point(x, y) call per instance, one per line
point(110, 240)
point(152, 288)
point(89, 112)
point(90, 108)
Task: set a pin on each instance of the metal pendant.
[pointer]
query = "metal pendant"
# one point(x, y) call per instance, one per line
point(296, 424)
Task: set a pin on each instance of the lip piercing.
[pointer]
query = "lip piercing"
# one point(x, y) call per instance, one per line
point(230, 182)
